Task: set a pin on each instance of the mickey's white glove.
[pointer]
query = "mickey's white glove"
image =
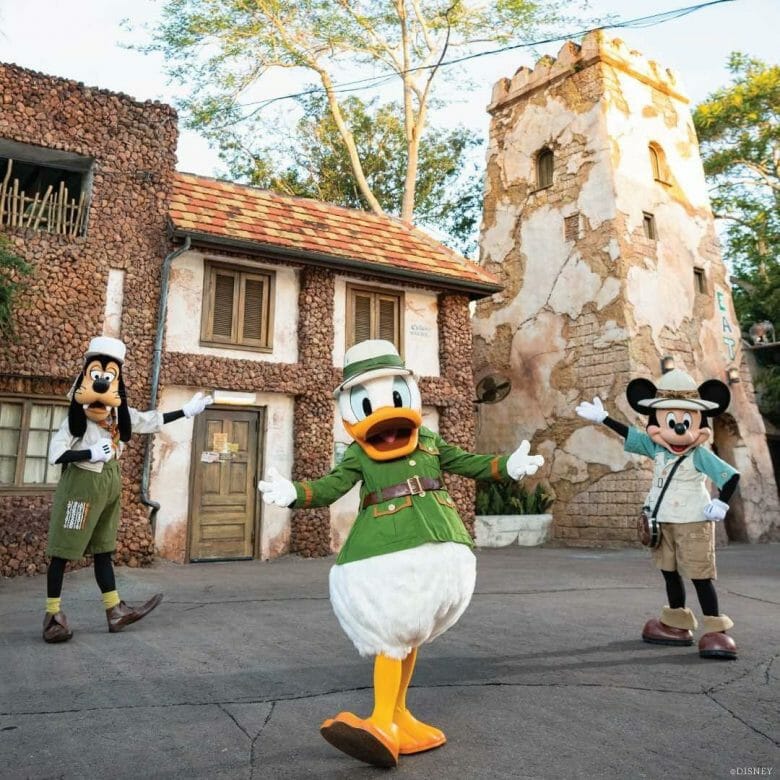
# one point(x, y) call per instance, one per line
point(521, 463)
point(277, 489)
point(594, 412)
point(101, 453)
point(196, 404)
point(716, 509)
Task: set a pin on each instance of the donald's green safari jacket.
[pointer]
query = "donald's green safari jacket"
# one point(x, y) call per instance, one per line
point(408, 521)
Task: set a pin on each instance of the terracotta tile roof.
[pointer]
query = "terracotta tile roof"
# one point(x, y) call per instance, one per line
point(235, 214)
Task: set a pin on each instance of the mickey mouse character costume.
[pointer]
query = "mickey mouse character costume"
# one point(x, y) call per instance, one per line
point(86, 506)
point(677, 428)
point(406, 571)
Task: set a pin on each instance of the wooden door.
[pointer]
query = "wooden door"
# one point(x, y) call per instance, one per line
point(224, 505)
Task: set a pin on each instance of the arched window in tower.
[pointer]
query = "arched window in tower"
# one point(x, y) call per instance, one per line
point(545, 160)
point(658, 163)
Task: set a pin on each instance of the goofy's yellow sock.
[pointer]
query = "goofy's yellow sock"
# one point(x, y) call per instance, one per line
point(110, 599)
point(53, 606)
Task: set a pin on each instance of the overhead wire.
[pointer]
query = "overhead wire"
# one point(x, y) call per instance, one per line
point(372, 82)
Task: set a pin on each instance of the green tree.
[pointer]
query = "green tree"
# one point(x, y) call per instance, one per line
point(12, 270)
point(221, 50)
point(739, 130)
point(313, 162)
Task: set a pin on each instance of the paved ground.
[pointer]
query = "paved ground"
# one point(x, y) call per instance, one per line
point(544, 677)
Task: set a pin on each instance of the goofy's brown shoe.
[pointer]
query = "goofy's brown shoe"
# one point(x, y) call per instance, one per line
point(718, 644)
point(123, 614)
point(55, 627)
point(658, 633)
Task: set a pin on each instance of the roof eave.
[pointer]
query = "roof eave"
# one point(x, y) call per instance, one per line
point(474, 289)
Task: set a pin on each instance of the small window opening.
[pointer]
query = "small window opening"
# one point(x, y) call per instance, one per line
point(699, 280)
point(658, 163)
point(44, 189)
point(648, 223)
point(545, 161)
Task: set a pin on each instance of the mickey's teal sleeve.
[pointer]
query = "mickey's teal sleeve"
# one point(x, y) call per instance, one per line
point(640, 443)
point(707, 462)
point(325, 490)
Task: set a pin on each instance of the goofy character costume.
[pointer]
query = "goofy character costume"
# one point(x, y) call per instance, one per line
point(677, 430)
point(406, 572)
point(86, 507)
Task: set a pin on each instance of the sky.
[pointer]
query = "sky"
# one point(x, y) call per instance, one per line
point(83, 40)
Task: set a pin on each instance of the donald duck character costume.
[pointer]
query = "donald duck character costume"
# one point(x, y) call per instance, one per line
point(406, 572)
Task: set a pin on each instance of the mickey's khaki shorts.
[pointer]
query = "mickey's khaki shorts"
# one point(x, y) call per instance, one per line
point(689, 548)
point(85, 512)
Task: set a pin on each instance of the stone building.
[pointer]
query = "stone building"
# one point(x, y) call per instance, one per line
point(598, 224)
point(215, 287)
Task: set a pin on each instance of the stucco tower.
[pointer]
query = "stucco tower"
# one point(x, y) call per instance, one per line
point(598, 223)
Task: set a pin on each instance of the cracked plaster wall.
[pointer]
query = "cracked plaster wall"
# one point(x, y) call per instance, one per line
point(590, 301)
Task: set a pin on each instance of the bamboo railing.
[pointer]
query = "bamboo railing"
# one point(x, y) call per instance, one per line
point(54, 211)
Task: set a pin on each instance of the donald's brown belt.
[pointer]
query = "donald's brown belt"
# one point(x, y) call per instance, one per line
point(414, 486)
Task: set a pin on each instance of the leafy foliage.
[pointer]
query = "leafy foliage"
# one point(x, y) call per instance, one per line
point(739, 130)
point(511, 498)
point(12, 270)
point(313, 162)
point(225, 53)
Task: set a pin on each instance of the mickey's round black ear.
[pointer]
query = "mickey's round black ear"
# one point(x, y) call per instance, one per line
point(718, 392)
point(640, 390)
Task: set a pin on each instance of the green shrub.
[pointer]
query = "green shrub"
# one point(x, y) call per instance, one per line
point(511, 498)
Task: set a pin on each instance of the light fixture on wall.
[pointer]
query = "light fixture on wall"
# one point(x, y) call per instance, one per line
point(667, 364)
point(732, 374)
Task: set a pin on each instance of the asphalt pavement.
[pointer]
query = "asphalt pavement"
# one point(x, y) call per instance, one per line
point(545, 676)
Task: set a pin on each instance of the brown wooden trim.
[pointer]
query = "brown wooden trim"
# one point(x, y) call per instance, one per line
point(376, 293)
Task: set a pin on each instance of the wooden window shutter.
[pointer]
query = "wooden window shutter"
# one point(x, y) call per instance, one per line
point(388, 319)
point(361, 317)
point(253, 309)
point(222, 312)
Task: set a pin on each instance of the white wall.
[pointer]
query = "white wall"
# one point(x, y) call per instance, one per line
point(185, 301)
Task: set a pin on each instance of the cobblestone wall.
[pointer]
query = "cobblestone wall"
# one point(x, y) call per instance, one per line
point(133, 147)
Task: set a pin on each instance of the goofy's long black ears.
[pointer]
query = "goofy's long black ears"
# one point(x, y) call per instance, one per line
point(77, 420)
point(123, 413)
point(718, 392)
point(640, 390)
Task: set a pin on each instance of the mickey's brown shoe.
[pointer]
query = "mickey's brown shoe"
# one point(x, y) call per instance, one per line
point(718, 644)
point(123, 614)
point(658, 633)
point(55, 627)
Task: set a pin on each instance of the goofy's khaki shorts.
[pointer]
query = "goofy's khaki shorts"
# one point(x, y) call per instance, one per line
point(85, 512)
point(688, 547)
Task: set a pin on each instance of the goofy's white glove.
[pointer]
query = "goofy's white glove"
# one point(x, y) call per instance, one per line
point(196, 404)
point(521, 463)
point(716, 510)
point(594, 412)
point(101, 452)
point(277, 490)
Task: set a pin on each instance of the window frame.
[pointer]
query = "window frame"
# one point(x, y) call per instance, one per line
point(27, 402)
point(240, 272)
point(543, 152)
point(648, 218)
point(658, 165)
point(376, 293)
point(699, 281)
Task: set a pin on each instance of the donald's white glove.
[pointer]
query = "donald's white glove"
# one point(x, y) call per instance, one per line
point(521, 463)
point(594, 412)
point(101, 452)
point(277, 490)
point(196, 404)
point(716, 509)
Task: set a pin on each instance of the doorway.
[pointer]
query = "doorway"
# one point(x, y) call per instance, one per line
point(224, 506)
